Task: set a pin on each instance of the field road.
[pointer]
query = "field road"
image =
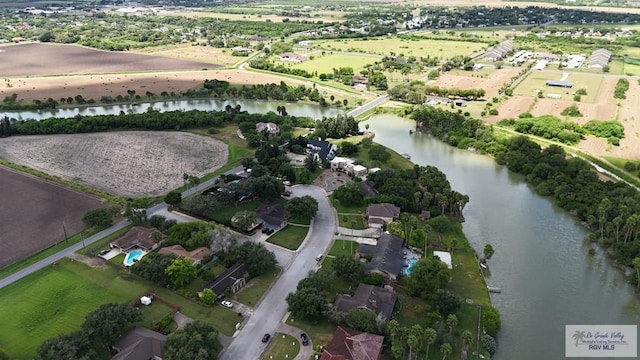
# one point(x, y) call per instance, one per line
point(368, 106)
point(106, 232)
point(268, 315)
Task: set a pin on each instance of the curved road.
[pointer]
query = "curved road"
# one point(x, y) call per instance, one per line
point(268, 315)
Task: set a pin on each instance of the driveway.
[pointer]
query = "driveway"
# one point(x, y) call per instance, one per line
point(267, 317)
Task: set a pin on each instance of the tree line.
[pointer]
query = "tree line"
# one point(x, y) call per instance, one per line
point(416, 92)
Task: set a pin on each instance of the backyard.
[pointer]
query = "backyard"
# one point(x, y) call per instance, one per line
point(55, 301)
point(282, 346)
point(291, 237)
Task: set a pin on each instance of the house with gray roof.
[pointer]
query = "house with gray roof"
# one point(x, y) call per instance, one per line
point(386, 257)
point(139, 343)
point(373, 298)
point(230, 281)
point(380, 215)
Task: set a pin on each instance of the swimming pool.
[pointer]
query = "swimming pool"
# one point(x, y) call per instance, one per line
point(133, 256)
point(411, 261)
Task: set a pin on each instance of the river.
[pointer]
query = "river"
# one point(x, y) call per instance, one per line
point(252, 106)
point(541, 261)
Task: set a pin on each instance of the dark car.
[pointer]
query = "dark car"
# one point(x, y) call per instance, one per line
point(266, 338)
point(305, 339)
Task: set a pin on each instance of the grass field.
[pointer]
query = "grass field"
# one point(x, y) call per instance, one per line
point(536, 81)
point(616, 66)
point(326, 63)
point(256, 287)
point(403, 47)
point(55, 300)
point(320, 332)
point(282, 346)
point(352, 221)
point(343, 247)
point(290, 237)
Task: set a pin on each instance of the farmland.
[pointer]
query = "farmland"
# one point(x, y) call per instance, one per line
point(488, 79)
point(48, 59)
point(36, 214)
point(202, 54)
point(326, 63)
point(386, 46)
point(122, 163)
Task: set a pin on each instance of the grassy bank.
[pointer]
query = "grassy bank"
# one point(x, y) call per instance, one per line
point(291, 237)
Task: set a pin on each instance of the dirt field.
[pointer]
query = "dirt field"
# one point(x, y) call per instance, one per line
point(491, 83)
point(34, 212)
point(203, 54)
point(589, 111)
point(511, 108)
point(134, 163)
point(55, 59)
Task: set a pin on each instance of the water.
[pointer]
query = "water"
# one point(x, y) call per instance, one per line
point(410, 262)
point(252, 106)
point(541, 261)
point(133, 256)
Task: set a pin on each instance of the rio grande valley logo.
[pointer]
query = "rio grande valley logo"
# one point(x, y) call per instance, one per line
point(601, 341)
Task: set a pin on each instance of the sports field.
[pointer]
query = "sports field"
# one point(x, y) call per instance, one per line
point(403, 47)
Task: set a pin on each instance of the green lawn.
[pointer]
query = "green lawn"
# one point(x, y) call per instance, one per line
point(252, 292)
point(151, 314)
point(326, 63)
point(290, 237)
point(223, 214)
point(118, 260)
point(403, 47)
point(282, 346)
point(350, 209)
point(343, 247)
point(320, 332)
point(466, 280)
point(396, 162)
point(299, 219)
point(352, 221)
point(55, 301)
point(536, 81)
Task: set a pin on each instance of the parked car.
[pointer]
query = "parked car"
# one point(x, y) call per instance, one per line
point(305, 339)
point(227, 304)
point(266, 338)
point(319, 257)
point(104, 252)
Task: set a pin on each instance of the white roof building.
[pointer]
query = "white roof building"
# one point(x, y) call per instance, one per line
point(445, 257)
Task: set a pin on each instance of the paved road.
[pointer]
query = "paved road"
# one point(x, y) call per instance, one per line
point(267, 317)
point(159, 208)
point(370, 105)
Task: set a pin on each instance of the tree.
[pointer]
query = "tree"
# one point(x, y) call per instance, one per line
point(152, 268)
point(488, 251)
point(452, 322)
point(489, 344)
point(208, 296)
point(427, 276)
point(347, 148)
point(255, 255)
point(466, 337)
point(446, 302)
point(110, 321)
point(197, 341)
point(173, 198)
point(379, 153)
point(348, 194)
point(181, 272)
point(310, 163)
point(243, 220)
point(190, 235)
point(74, 346)
point(98, 218)
point(491, 321)
point(348, 267)
point(267, 187)
point(445, 349)
point(430, 336)
point(305, 206)
point(307, 303)
point(636, 265)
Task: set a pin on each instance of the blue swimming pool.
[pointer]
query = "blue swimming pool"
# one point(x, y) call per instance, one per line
point(411, 261)
point(133, 256)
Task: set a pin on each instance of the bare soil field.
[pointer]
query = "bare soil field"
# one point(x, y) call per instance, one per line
point(56, 59)
point(554, 107)
point(491, 83)
point(501, 3)
point(33, 214)
point(247, 17)
point(202, 54)
point(627, 115)
point(95, 86)
point(132, 163)
point(511, 108)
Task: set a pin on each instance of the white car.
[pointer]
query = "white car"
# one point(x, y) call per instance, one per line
point(227, 304)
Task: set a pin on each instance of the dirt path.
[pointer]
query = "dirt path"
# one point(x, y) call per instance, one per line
point(91, 261)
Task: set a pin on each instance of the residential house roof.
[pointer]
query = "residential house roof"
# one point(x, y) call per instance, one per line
point(273, 215)
point(349, 344)
point(320, 147)
point(377, 299)
point(139, 343)
point(137, 236)
point(368, 189)
point(269, 127)
point(386, 255)
point(195, 256)
point(225, 280)
point(384, 210)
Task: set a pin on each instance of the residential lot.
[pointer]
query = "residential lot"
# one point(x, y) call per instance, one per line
point(36, 214)
point(132, 163)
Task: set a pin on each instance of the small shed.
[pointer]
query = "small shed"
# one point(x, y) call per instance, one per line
point(445, 257)
point(145, 300)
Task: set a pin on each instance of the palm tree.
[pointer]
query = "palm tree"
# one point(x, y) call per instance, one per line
point(636, 265)
point(452, 322)
point(577, 336)
point(393, 327)
point(488, 251)
point(445, 349)
point(466, 337)
point(430, 336)
point(412, 342)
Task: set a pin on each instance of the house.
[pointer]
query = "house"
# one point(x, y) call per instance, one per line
point(377, 299)
point(498, 52)
point(349, 344)
point(558, 83)
point(270, 128)
point(599, 59)
point(357, 79)
point(339, 163)
point(321, 150)
point(242, 50)
point(196, 256)
point(292, 57)
point(379, 215)
point(272, 216)
point(386, 257)
point(368, 189)
point(230, 281)
point(357, 170)
point(136, 237)
point(139, 344)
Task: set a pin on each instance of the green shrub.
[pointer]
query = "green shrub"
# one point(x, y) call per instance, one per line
point(630, 166)
point(571, 111)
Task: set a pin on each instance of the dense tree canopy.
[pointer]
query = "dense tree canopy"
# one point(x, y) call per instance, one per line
point(427, 276)
point(74, 346)
point(305, 206)
point(152, 268)
point(254, 255)
point(110, 321)
point(197, 341)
